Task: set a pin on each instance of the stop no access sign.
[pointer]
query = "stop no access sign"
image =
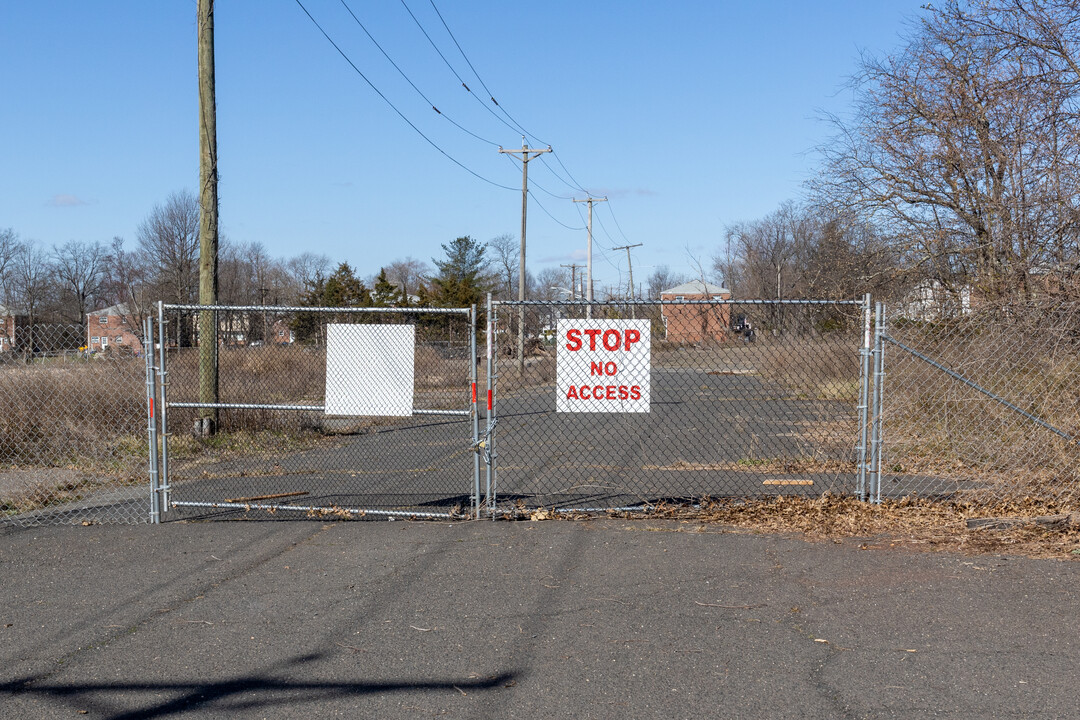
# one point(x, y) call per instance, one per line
point(603, 366)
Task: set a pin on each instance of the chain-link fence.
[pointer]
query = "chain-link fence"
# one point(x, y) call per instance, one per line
point(614, 405)
point(982, 405)
point(73, 443)
point(371, 412)
point(319, 412)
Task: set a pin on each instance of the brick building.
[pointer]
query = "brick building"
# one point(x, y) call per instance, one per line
point(114, 327)
point(696, 323)
point(12, 327)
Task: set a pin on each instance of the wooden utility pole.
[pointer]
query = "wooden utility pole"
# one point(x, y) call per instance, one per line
point(630, 265)
point(527, 154)
point(588, 255)
point(208, 221)
point(573, 279)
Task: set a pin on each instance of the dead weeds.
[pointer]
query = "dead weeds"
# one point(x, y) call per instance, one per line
point(910, 523)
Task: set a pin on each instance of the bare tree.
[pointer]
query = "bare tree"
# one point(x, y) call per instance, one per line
point(663, 279)
point(408, 275)
point(304, 271)
point(766, 258)
point(506, 260)
point(9, 243)
point(125, 282)
point(31, 282)
point(169, 237)
point(551, 283)
point(965, 146)
point(80, 269)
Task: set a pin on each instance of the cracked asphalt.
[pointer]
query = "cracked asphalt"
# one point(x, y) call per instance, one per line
point(559, 619)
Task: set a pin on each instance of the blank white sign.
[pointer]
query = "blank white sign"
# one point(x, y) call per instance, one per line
point(369, 369)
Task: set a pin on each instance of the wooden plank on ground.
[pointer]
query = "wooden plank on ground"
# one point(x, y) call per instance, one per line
point(265, 497)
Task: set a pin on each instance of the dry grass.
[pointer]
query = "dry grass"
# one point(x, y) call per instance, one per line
point(936, 425)
point(65, 414)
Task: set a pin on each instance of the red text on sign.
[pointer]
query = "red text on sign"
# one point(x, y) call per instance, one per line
point(599, 368)
point(610, 339)
point(604, 392)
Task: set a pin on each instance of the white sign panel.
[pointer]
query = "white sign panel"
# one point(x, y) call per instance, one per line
point(369, 369)
point(603, 366)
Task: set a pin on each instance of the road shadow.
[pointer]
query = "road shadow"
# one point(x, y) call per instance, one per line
point(253, 691)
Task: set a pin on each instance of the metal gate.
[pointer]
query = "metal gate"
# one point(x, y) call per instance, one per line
point(274, 438)
point(748, 398)
point(979, 404)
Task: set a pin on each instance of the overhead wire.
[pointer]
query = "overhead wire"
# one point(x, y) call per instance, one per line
point(617, 224)
point(546, 212)
point(538, 185)
point(597, 247)
point(491, 95)
point(454, 70)
point(572, 182)
point(394, 107)
point(411, 83)
point(560, 178)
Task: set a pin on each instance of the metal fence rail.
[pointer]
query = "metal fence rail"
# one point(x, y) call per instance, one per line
point(747, 399)
point(283, 447)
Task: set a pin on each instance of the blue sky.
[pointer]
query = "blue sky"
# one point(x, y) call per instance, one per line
point(688, 116)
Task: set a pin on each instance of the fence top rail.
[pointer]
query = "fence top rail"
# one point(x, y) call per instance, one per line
point(297, 309)
point(717, 301)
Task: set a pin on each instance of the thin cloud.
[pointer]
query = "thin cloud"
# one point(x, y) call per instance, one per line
point(63, 200)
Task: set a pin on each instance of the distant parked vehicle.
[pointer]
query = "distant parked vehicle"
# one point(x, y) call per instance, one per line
point(743, 327)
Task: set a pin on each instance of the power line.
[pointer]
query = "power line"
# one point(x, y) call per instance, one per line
point(455, 72)
point(394, 107)
point(411, 83)
point(561, 179)
point(569, 174)
point(554, 195)
point(491, 95)
point(557, 221)
point(617, 223)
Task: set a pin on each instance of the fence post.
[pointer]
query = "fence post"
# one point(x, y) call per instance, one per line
point(864, 398)
point(473, 361)
point(151, 421)
point(876, 404)
point(492, 369)
point(163, 382)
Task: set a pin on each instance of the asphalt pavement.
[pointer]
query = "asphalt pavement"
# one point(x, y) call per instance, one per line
point(558, 619)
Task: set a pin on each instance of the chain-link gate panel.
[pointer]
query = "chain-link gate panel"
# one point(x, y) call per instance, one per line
point(743, 399)
point(73, 421)
point(982, 404)
point(319, 412)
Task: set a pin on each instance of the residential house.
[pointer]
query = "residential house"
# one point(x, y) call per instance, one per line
point(281, 333)
point(113, 327)
point(932, 300)
point(12, 327)
point(695, 323)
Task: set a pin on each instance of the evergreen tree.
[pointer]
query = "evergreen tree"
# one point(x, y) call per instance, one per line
point(342, 289)
point(385, 293)
point(463, 277)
